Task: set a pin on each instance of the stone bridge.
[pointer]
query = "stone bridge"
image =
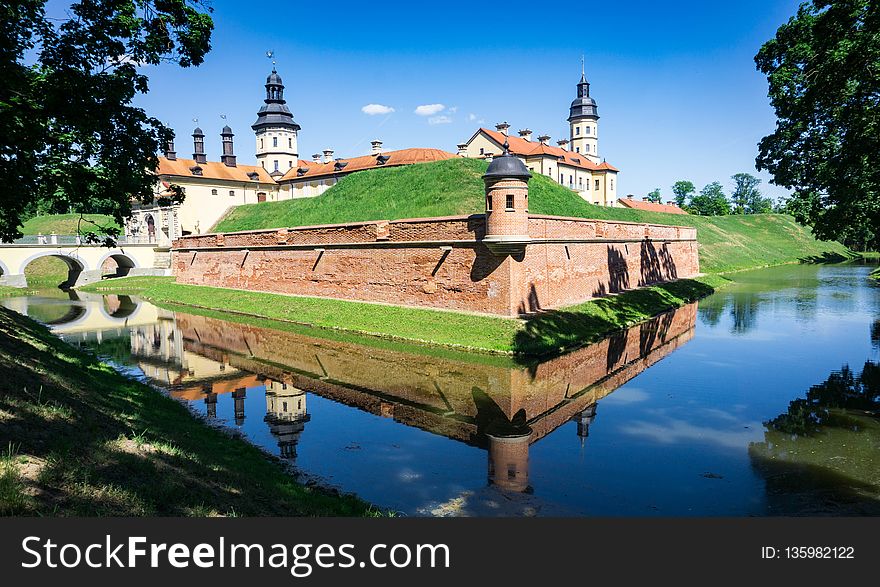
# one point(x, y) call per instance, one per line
point(84, 262)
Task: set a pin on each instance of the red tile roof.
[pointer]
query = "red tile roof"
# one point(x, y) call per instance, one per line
point(650, 206)
point(520, 146)
point(213, 170)
point(394, 159)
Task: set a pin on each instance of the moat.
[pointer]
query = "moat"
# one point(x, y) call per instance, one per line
point(762, 399)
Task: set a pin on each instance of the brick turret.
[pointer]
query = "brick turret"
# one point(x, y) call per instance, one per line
point(507, 204)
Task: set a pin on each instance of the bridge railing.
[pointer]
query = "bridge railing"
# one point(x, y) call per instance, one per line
point(72, 239)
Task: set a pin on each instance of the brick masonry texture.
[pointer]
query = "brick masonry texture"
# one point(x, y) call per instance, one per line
point(441, 263)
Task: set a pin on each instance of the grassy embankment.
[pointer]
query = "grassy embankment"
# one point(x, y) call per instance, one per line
point(453, 187)
point(76, 438)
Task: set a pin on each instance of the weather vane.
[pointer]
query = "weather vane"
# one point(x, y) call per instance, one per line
point(271, 55)
point(223, 116)
point(196, 120)
point(583, 71)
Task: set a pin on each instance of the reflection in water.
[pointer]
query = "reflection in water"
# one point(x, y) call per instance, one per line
point(819, 456)
point(451, 433)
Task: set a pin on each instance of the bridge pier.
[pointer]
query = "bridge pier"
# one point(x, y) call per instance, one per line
point(13, 280)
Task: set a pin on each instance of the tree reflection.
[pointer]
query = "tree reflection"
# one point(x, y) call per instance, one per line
point(820, 456)
point(744, 312)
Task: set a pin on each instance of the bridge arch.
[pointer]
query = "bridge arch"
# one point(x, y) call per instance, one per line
point(75, 264)
point(124, 262)
point(4, 270)
point(118, 307)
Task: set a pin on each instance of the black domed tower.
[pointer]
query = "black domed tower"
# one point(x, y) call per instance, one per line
point(583, 120)
point(276, 130)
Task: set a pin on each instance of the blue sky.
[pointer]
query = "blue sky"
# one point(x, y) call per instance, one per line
point(676, 85)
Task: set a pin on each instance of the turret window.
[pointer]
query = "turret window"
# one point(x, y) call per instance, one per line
point(290, 143)
point(488, 203)
point(612, 184)
point(510, 202)
point(586, 130)
point(261, 143)
point(274, 141)
point(276, 164)
point(577, 130)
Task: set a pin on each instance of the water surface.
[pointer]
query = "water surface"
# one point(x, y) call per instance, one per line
point(760, 400)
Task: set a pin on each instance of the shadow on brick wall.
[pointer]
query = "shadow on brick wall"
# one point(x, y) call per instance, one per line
point(656, 265)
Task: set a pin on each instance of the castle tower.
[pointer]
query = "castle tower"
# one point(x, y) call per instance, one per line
point(583, 122)
point(275, 130)
point(507, 204)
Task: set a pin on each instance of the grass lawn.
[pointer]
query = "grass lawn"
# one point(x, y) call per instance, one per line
point(66, 223)
point(78, 439)
point(453, 187)
point(543, 335)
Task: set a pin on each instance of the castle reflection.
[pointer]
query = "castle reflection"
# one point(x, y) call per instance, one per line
point(481, 400)
point(492, 404)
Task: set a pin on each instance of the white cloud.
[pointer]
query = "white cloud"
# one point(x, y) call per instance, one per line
point(373, 109)
point(453, 109)
point(472, 117)
point(443, 119)
point(429, 109)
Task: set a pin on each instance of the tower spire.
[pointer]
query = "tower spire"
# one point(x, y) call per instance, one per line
point(583, 70)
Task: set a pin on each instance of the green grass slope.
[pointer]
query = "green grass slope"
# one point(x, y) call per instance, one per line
point(65, 223)
point(79, 439)
point(452, 187)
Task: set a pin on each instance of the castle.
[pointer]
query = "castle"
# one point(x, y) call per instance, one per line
point(573, 163)
point(213, 187)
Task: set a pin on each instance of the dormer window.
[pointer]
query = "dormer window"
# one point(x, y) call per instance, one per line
point(253, 175)
point(195, 170)
point(300, 171)
point(340, 165)
point(382, 159)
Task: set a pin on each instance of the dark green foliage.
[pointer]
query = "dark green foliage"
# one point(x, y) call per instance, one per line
point(710, 202)
point(683, 190)
point(823, 69)
point(70, 138)
point(654, 195)
point(746, 197)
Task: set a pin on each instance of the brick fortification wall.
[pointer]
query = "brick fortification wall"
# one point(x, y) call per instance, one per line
point(441, 263)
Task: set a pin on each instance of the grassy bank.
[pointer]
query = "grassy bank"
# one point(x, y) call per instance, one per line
point(79, 439)
point(66, 223)
point(453, 187)
point(542, 335)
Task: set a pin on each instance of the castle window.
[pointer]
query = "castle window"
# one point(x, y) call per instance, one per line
point(276, 164)
point(510, 202)
point(612, 184)
point(586, 130)
point(232, 193)
point(588, 148)
point(263, 164)
point(596, 184)
point(290, 164)
point(261, 143)
point(577, 130)
point(290, 143)
point(274, 141)
point(488, 203)
point(482, 151)
point(213, 192)
point(577, 149)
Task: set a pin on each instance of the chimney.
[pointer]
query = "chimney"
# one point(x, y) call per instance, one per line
point(170, 153)
point(376, 147)
point(526, 134)
point(563, 144)
point(672, 203)
point(328, 155)
point(228, 157)
point(462, 149)
point(646, 199)
point(630, 196)
point(502, 127)
point(545, 139)
point(316, 158)
point(199, 146)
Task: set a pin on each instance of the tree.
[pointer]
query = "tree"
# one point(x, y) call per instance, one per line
point(745, 190)
point(823, 70)
point(683, 190)
point(711, 201)
point(70, 139)
point(654, 195)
